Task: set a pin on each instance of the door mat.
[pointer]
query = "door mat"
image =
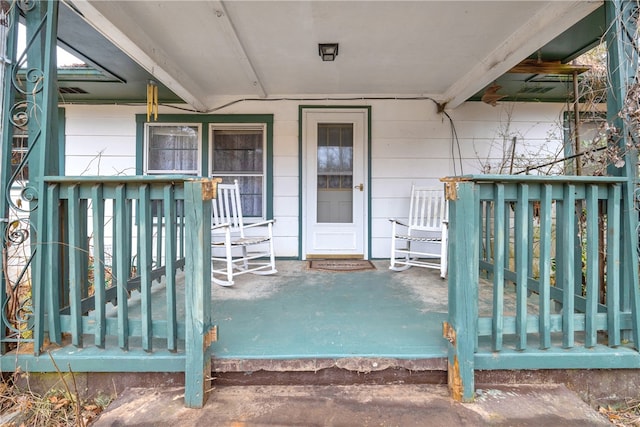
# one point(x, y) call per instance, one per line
point(341, 265)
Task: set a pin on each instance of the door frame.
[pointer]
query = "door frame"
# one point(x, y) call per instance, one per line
point(301, 172)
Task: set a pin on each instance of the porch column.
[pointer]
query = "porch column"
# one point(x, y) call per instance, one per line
point(464, 259)
point(30, 103)
point(199, 333)
point(622, 56)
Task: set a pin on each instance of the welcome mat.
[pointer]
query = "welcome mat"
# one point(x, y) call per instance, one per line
point(341, 265)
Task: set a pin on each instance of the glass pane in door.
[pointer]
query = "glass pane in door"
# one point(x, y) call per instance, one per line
point(335, 173)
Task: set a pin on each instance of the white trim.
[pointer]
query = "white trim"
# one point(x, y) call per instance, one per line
point(197, 172)
point(232, 35)
point(543, 27)
point(160, 65)
point(243, 126)
point(307, 216)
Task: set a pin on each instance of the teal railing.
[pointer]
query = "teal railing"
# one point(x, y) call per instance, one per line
point(107, 281)
point(554, 258)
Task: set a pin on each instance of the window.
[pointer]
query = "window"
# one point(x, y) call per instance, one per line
point(238, 152)
point(335, 156)
point(172, 149)
point(229, 146)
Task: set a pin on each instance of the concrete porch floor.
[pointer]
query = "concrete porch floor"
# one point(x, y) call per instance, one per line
point(300, 313)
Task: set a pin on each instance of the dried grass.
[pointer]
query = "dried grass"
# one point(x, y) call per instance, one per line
point(626, 414)
point(58, 407)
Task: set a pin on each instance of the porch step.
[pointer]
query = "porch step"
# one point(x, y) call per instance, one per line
point(410, 405)
point(343, 371)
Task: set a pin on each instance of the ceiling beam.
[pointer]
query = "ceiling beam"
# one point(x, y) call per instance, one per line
point(232, 36)
point(533, 66)
point(550, 22)
point(100, 15)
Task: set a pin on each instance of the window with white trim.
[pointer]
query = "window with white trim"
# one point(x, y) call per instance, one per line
point(238, 153)
point(172, 148)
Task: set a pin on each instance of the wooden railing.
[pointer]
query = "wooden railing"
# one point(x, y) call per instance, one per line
point(107, 266)
point(555, 259)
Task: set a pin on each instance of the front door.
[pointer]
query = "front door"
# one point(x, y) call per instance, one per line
point(334, 183)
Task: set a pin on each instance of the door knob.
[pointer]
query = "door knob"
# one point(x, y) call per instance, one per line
point(360, 187)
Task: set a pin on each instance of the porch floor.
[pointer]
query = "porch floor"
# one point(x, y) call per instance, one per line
point(302, 313)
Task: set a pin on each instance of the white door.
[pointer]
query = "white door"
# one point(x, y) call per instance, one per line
point(334, 183)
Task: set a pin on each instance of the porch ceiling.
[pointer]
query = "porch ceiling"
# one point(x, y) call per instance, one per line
point(204, 51)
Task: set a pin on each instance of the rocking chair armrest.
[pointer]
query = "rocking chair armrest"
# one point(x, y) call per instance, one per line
point(258, 224)
point(398, 222)
point(223, 225)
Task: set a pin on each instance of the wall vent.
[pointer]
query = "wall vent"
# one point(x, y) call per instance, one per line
point(536, 90)
point(71, 90)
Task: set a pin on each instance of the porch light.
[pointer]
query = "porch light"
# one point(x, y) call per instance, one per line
point(328, 51)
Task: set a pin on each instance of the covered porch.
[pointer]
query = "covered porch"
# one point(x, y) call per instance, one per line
point(154, 309)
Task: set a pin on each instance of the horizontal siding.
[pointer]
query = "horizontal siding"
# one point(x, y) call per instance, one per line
point(410, 144)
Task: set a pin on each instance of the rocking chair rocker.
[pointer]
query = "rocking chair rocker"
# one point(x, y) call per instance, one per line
point(427, 227)
point(228, 234)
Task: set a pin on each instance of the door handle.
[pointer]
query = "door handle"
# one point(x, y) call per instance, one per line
point(360, 187)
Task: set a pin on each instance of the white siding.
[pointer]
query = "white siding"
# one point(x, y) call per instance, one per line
point(410, 143)
point(100, 140)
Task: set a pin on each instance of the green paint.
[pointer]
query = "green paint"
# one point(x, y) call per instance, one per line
point(97, 204)
point(522, 250)
point(52, 260)
point(205, 120)
point(591, 210)
point(613, 261)
point(463, 283)
point(75, 260)
point(121, 220)
point(499, 263)
point(544, 272)
point(169, 203)
point(144, 261)
point(197, 293)
point(316, 314)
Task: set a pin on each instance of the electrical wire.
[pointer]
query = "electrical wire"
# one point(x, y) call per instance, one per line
point(455, 142)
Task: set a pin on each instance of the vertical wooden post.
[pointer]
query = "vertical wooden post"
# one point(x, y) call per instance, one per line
point(522, 249)
point(197, 205)
point(546, 205)
point(122, 269)
point(498, 267)
point(461, 328)
point(97, 203)
point(613, 263)
point(170, 220)
point(41, 25)
point(145, 236)
point(568, 215)
point(622, 57)
point(75, 268)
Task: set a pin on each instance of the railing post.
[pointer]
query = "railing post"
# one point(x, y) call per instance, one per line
point(464, 258)
point(622, 62)
point(199, 330)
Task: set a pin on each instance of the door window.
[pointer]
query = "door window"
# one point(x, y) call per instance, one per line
point(335, 173)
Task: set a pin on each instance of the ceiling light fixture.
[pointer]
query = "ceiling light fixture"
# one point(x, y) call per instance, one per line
point(328, 51)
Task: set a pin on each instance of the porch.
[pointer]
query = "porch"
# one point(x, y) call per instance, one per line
point(154, 309)
point(119, 276)
point(301, 315)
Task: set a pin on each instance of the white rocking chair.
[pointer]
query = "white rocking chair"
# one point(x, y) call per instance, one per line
point(228, 234)
point(427, 226)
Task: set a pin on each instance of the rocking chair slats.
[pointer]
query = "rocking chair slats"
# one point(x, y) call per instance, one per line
point(228, 236)
point(426, 226)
